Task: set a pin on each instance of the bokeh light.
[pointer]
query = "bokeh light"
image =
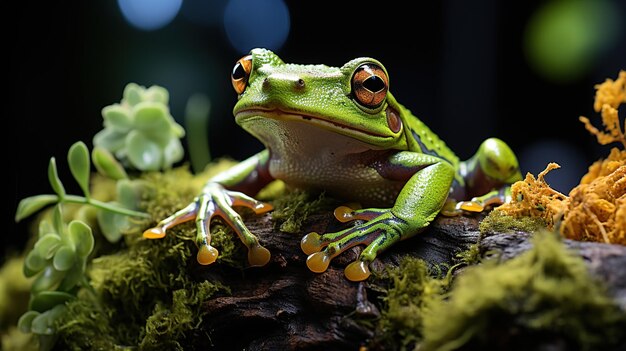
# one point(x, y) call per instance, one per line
point(206, 13)
point(149, 14)
point(259, 23)
point(565, 37)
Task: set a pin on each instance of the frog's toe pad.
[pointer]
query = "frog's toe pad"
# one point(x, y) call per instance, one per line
point(154, 233)
point(311, 243)
point(207, 254)
point(357, 271)
point(318, 262)
point(258, 256)
point(470, 206)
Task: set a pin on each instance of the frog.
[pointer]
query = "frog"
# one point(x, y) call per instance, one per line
point(341, 131)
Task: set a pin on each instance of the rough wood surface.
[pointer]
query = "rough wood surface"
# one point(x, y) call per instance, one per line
point(284, 306)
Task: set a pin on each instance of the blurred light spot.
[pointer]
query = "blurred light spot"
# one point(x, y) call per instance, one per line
point(259, 23)
point(536, 156)
point(204, 12)
point(564, 37)
point(149, 14)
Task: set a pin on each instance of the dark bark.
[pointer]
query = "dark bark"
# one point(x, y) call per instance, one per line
point(284, 306)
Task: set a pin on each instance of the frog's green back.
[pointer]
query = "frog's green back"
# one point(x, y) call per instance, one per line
point(420, 138)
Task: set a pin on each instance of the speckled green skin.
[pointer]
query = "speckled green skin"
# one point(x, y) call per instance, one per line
point(318, 136)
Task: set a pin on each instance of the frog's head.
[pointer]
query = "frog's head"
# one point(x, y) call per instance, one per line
point(352, 100)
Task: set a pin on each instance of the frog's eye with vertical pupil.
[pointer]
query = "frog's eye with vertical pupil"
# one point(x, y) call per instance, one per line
point(241, 73)
point(370, 85)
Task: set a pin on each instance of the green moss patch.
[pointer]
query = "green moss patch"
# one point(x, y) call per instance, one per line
point(410, 289)
point(543, 296)
point(499, 222)
point(293, 208)
point(146, 298)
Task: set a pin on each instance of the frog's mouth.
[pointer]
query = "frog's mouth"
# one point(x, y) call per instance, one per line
point(319, 121)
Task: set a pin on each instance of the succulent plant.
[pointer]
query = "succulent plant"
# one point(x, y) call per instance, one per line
point(58, 261)
point(140, 131)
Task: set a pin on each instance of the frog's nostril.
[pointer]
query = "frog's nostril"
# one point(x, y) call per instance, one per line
point(266, 83)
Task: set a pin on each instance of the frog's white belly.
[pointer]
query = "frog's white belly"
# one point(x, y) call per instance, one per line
point(311, 157)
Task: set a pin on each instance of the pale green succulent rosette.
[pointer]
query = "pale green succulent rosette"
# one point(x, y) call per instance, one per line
point(140, 131)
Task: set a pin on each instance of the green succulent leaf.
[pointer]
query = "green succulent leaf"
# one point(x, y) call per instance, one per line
point(26, 321)
point(130, 193)
point(64, 258)
point(30, 205)
point(117, 118)
point(107, 165)
point(72, 277)
point(177, 130)
point(132, 94)
point(33, 264)
point(57, 221)
point(81, 237)
point(110, 140)
point(112, 225)
point(48, 280)
point(47, 245)
point(53, 178)
point(78, 160)
point(151, 116)
point(157, 94)
point(143, 153)
point(47, 300)
point(40, 325)
point(172, 153)
point(45, 227)
point(43, 324)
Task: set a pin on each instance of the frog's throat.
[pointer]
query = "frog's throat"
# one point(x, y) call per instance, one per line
point(318, 121)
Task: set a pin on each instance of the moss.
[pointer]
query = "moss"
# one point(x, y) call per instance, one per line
point(146, 296)
point(411, 287)
point(168, 326)
point(293, 208)
point(231, 249)
point(14, 296)
point(499, 222)
point(543, 296)
point(470, 256)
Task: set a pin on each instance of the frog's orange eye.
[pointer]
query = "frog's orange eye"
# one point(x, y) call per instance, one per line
point(241, 73)
point(370, 85)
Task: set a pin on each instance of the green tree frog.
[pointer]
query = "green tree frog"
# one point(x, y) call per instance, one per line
point(339, 129)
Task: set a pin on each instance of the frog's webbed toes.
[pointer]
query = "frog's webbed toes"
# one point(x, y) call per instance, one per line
point(481, 203)
point(186, 214)
point(154, 233)
point(258, 256)
point(378, 233)
point(470, 206)
point(311, 243)
point(357, 271)
point(318, 262)
point(207, 254)
point(241, 199)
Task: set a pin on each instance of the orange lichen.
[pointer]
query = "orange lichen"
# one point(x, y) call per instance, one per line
point(609, 95)
point(595, 210)
point(533, 197)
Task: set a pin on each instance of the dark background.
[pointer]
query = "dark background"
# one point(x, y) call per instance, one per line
point(461, 66)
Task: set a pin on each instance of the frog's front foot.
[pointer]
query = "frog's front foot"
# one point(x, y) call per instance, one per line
point(217, 201)
point(380, 230)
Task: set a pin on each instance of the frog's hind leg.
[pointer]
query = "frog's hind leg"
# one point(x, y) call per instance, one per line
point(488, 175)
